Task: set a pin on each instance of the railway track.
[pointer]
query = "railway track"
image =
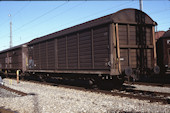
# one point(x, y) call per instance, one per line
point(164, 98)
point(135, 94)
point(13, 90)
point(2, 109)
point(145, 95)
point(148, 84)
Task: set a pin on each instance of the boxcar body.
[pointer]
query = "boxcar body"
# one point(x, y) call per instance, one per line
point(163, 53)
point(118, 44)
point(14, 59)
point(122, 42)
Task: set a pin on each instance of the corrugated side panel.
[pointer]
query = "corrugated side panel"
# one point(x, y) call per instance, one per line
point(72, 51)
point(30, 52)
point(149, 52)
point(168, 48)
point(61, 46)
point(133, 54)
point(132, 35)
point(101, 47)
point(149, 58)
point(85, 50)
point(167, 51)
point(2, 60)
point(51, 54)
point(148, 35)
point(133, 58)
point(124, 58)
point(123, 35)
point(36, 56)
point(15, 59)
point(43, 55)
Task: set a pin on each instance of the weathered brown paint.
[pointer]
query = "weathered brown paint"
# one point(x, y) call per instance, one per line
point(24, 58)
point(124, 45)
point(56, 54)
point(111, 50)
point(128, 42)
point(92, 48)
point(89, 47)
point(66, 54)
point(78, 51)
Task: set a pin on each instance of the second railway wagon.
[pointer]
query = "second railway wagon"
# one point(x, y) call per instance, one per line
point(163, 53)
point(14, 59)
point(110, 46)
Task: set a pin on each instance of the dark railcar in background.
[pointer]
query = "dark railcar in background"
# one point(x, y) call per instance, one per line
point(14, 59)
point(163, 53)
point(110, 46)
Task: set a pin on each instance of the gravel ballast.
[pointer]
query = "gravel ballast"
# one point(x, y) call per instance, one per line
point(48, 99)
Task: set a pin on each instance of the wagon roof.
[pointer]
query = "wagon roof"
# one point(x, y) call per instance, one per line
point(159, 34)
point(166, 34)
point(13, 48)
point(130, 16)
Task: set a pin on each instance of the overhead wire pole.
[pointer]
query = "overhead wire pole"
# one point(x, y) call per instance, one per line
point(36, 17)
point(10, 43)
point(141, 4)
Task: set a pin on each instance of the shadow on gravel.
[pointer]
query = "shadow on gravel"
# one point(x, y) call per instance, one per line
point(128, 86)
point(69, 82)
point(35, 102)
point(3, 110)
point(120, 111)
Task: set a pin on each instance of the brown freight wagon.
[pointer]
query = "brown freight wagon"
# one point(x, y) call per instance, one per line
point(163, 53)
point(108, 47)
point(14, 59)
